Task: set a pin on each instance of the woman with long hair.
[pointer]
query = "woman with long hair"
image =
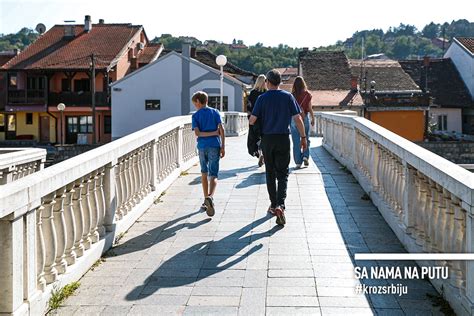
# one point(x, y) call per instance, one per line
point(259, 88)
point(303, 97)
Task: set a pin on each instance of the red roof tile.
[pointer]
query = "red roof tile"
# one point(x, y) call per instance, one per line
point(336, 98)
point(53, 51)
point(149, 53)
point(467, 42)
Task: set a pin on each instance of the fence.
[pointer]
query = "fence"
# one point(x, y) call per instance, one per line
point(55, 223)
point(426, 200)
point(16, 163)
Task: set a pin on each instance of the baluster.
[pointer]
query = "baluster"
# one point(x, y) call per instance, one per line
point(86, 211)
point(141, 173)
point(149, 171)
point(434, 217)
point(458, 243)
point(101, 200)
point(412, 190)
point(70, 252)
point(60, 228)
point(94, 207)
point(119, 189)
point(420, 214)
point(79, 217)
point(40, 249)
point(428, 246)
point(128, 184)
point(135, 177)
point(49, 233)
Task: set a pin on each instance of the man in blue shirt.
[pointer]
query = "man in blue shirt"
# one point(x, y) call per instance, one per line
point(207, 125)
point(275, 109)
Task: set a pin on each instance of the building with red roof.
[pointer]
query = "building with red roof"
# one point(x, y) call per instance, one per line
point(57, 68)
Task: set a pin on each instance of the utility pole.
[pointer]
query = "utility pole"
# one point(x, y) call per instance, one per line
point(94, 139)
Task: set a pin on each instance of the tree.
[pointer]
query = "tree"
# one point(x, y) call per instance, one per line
point(431, 30)
point(403, 47)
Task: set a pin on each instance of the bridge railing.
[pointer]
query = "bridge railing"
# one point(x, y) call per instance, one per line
point(236, 123)
point(16, 163)
point(55, 223)
point(426, 199)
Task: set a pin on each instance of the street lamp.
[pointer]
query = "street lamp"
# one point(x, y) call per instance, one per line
point(221, 60)
point(61, 107)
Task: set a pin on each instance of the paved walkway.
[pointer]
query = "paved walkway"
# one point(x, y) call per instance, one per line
point(175, 260)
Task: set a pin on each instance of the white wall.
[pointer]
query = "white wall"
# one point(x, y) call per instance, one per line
point(195, 71)
point(162, 81)
point(229, 90)
point(454, 118)
point(464, 63)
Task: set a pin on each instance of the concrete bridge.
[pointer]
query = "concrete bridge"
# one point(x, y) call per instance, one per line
point(135, 202)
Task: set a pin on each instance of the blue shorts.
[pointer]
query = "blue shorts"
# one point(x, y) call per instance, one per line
point(209, 159)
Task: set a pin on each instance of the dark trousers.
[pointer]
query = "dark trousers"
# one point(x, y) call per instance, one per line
point(276, 150)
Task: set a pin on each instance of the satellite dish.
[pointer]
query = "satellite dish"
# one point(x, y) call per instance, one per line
point(40, 28)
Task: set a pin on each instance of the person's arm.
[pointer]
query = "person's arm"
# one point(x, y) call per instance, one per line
point(310, 107)
point(252, 119)
point(300, 126)
point(198, 133)
point(221, 130)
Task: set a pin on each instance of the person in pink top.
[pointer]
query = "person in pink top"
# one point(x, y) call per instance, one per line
point(303, 98)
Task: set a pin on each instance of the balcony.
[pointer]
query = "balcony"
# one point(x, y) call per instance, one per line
point(78, 98)
point(36, 97)
point(170, 258)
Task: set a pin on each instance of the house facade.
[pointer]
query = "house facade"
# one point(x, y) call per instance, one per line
point(57, 68)
point(450, 98)
point(461, 52)
point(391, 98)
point(164, 88)
point(330, 81)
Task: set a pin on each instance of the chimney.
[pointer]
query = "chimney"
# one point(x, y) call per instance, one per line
point(87, 23)
point(101, 21)
point(193, 52)
point(354, 81)
point(69, 31)
point(186, 50)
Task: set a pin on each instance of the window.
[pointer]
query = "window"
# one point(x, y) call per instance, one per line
point(65, 85)
point(11, 127)
point(107, 124)
point(35, 83)
point(2, 122)
point(152, 105)
point(29, 118)
point(12, 82)
point(85, 124)
point(215, 102)
point(442, 122)
point(82, 85)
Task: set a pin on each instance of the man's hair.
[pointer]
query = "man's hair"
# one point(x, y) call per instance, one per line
point(274, 77)
point(200, 96)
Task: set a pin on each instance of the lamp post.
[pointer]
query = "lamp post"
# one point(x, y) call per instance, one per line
point(221, 60)
point(61, 107)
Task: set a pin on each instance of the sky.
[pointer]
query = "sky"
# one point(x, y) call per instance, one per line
point(297, 23)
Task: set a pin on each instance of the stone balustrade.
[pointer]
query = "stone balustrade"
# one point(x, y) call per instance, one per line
point(16, 163)
point(55, 223)
point(427, 200)
point(236, 123)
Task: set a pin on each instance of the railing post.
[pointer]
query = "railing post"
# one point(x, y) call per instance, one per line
point(154, 165)
point(11, 264)
point(469, 281)
point(110, 196)
point(180, 145)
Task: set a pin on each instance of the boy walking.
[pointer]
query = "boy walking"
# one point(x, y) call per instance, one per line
point(207, 125)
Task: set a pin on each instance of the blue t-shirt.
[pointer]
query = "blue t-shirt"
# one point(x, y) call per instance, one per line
point(275, 109)
point(207, 120)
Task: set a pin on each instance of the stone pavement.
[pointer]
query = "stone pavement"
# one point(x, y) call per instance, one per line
point(176, 260)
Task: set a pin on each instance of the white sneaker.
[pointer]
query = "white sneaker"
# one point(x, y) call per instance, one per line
point(298, 166)
point(306, 161)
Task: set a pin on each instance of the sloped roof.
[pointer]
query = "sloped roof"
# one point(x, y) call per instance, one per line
point(336, 98)
point(53, 51)
point(444, 81)
point(467, 42)
point(326, 70)
point(387, 74)
point(208, 58)
point(149, 53)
